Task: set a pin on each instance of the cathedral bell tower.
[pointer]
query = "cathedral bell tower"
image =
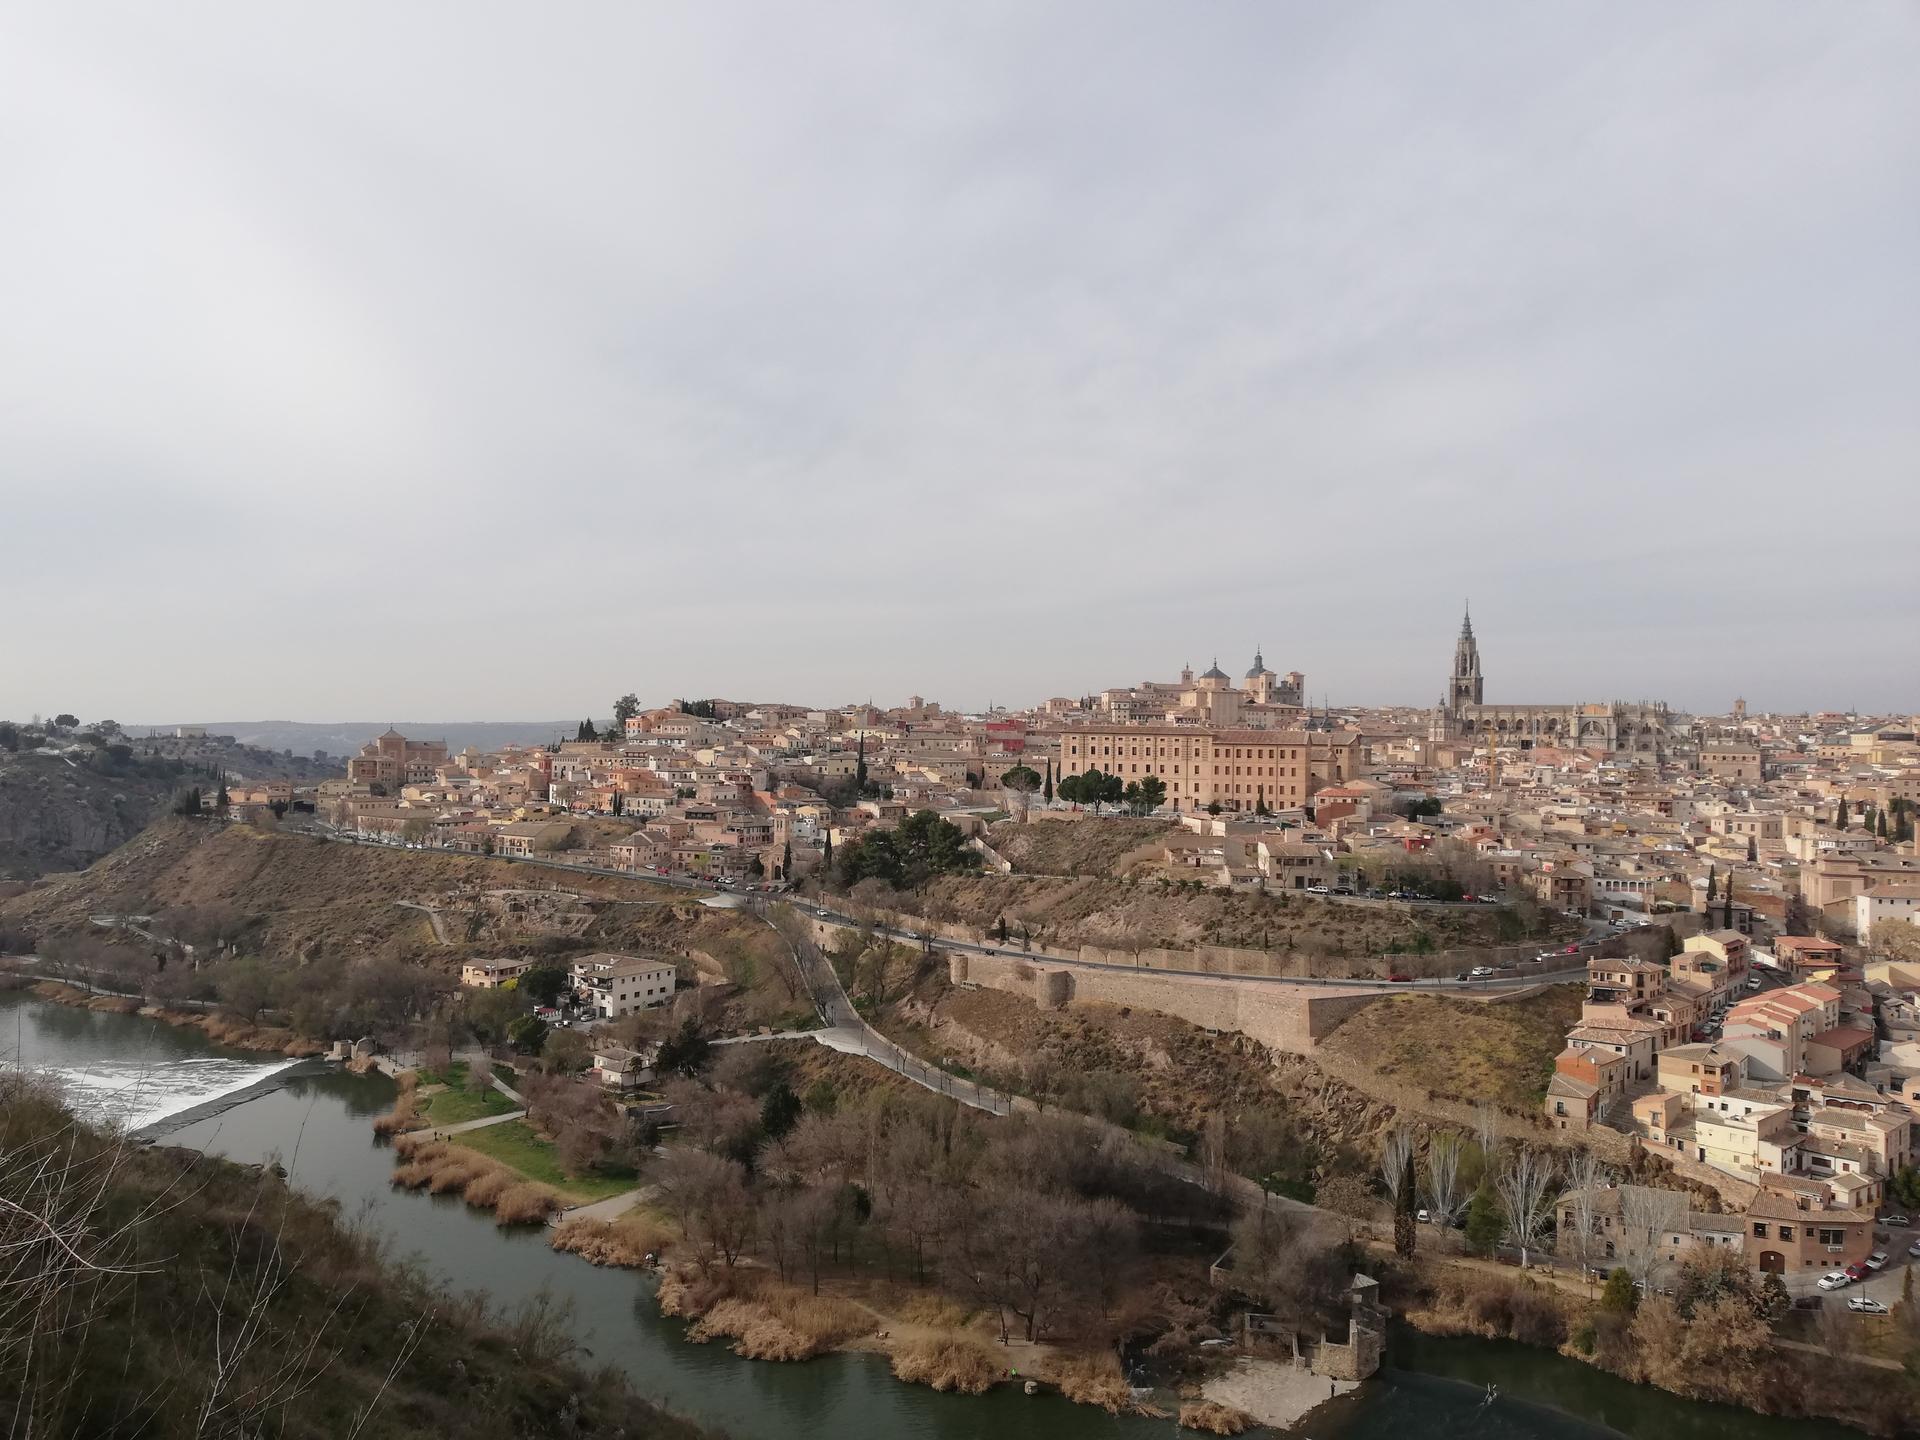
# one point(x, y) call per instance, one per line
point(1464, 686)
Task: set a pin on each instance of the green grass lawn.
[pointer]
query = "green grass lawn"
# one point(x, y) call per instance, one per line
point(514, 1145)
point(456, 1107)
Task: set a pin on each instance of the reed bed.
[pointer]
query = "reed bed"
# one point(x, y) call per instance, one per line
point(960, 1363)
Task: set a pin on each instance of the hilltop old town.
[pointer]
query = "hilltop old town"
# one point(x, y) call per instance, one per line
point(1589, 992)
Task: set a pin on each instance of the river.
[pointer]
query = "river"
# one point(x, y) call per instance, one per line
point(317, 1125)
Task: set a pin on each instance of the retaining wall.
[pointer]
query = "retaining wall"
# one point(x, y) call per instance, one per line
point(1285, 1017)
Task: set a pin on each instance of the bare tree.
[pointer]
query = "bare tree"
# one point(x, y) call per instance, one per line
point(1587, 1175)
point(1486, 1131)
point(1394, 1153)
point(1641, 1212)
point(1526, 1196)
point(1444, 1195)
point(1213, 1152)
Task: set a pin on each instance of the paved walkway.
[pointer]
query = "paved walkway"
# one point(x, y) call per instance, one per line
point(610, 1209)
point(433, 918)
point(440, 1132)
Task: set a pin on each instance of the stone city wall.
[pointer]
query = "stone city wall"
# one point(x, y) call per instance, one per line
point(1285, 1017)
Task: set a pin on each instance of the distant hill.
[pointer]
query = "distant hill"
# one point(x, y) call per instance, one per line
point(345, 737)
point(63, 808)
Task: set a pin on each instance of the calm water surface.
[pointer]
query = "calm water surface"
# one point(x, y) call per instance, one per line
point(318, 1127)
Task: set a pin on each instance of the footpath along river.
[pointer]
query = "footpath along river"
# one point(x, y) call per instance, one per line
point(318, 1126)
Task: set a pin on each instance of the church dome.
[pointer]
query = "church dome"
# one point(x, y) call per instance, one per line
point(1259, 667)
point(1214, 672)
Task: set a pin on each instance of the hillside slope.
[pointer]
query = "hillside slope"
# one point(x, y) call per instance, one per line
point(62, 811)
point(290, 897)
point(180, 1296)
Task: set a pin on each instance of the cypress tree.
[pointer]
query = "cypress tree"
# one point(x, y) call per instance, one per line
point(1880, 824)
point(1753, 850)
point(826, 856)
point(1046, 787)
point(1840, 815)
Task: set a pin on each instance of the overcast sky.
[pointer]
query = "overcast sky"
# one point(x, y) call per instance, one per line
point(481, 360)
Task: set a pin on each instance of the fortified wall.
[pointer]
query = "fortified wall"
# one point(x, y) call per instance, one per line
point(1285, 1017)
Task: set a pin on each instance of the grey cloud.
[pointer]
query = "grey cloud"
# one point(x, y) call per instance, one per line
point(465, 359)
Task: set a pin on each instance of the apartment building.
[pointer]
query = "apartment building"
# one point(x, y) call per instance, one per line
point(615, 985)
point(1773, 1030)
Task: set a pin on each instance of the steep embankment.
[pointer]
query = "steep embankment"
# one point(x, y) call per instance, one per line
point(1069, 911)
point(1098, 846)
point(63, 811)
point(161, 1293)
point(1457, 1050)
point(59, 813)
point(288, 897)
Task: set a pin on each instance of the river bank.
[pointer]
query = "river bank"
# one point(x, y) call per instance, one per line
point(317, 1127)
point(219, 1028)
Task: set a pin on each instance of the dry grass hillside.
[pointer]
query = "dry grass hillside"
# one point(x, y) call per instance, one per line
point(1064, 911)
point(1078, 847)
point(1459, 1049)
point(299, 897)
point(1137, 1067)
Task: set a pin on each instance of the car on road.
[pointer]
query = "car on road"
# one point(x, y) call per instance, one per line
point(1865, 1305)
point(1857, 1271)
point(1480, 972)
point(1753, 982)
point(1835, 1280)
point(1899, 1220)
point(1914, 1249)
point(1571, 950)
point(1400, 979)
point(1877, 1260)
point(1545, 957)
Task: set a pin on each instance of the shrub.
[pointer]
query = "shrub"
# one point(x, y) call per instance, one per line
point(526, 1203)
point(1093, 1380)
point(948, 1362)
point(626, 1241)
point(1214, 1419)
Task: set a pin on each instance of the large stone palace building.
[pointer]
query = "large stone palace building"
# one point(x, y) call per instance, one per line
point(1235, 768)
point(1618, 727)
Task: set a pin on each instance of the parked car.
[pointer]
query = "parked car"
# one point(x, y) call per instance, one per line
point(1835, 1280)
point(1480, 972)
point(1463, 975)
point(1318, 890)
point(1877, 1260)
point(1571, 950)
point(1422, 1217)
point(1400, 979)
point(1753, 982)
point(1865, 1305)
point(1857, 1271)
point(1914, 1249)
point(1899, 1220)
